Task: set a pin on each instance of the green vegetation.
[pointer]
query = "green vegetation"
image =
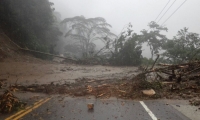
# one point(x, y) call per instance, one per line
point(30, 23)
point(185, 46)
point(146, 61)
point(127, 51)
point(33, 24)
point(154, 38)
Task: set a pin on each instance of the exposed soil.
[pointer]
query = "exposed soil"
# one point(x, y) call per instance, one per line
point(44, 73)
point(20, 71)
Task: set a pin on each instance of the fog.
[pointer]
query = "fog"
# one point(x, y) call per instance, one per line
point(119, 13)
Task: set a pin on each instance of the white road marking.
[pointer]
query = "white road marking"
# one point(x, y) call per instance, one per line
point(148, 111)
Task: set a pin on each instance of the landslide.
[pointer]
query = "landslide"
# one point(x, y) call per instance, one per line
point(9, 51)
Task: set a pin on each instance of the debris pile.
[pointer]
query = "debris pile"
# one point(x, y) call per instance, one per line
point(136, 88)
point(9, 103)
point(100, 91)
point(181, 72)
point(195, 102)
point(180, 81)
point(2, 83)
point(172, 81)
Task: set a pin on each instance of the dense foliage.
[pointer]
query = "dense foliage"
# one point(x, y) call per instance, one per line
point(154, 38)
point(127, 50)
point(185, 46)
point(33, 24)
point(29, 23)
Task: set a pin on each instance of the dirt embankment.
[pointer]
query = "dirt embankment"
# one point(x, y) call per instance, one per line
point(9, 51)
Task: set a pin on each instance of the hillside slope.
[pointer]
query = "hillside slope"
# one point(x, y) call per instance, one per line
point(9, 51)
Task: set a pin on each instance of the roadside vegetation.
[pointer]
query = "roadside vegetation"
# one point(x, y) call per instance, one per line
point(35, 25)
point(30, 24)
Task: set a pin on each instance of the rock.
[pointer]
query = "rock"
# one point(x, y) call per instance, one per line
point(149, 92)
point(178, 106)
point(90, 106)
point(63, 70)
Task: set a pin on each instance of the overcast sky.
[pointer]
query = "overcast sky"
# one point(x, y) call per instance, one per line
point(118, 13)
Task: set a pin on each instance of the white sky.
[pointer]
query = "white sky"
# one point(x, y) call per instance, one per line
point(118, 13)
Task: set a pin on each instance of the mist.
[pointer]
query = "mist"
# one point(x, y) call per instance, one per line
point(139, 13)
point(79, 59)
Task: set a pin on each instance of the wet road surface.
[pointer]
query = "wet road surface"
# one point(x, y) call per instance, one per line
point(67, 108)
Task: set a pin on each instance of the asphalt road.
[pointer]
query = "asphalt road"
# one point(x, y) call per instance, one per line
point(67, 108)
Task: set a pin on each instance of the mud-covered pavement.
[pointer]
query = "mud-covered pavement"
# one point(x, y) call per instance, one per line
point(67, 108)
point(73, 105)
point(44, 73)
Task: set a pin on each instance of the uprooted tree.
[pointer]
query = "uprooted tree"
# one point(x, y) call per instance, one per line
point(127, 51)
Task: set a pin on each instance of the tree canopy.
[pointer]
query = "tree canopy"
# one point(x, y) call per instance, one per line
point(183, 47)
point(35, 25)
point(129, 52)
point(29, 23)
point(154, 38)
point(86, 31)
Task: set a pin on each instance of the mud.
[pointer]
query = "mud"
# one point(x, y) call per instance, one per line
point(43, 73)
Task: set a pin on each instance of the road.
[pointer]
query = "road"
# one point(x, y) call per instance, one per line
point(45, 73)
point(62, 107)
point(68, 108)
